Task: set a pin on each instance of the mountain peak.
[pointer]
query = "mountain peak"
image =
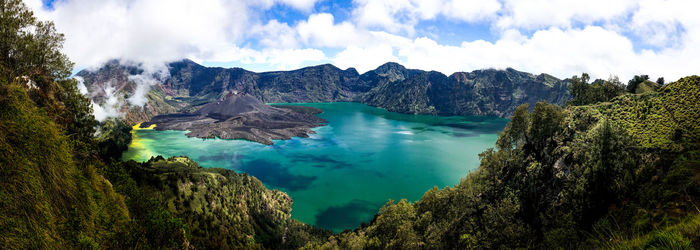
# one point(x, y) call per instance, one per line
point(389, 66)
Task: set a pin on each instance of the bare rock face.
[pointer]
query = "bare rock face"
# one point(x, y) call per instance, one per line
point(390, 86)
point(242, 116)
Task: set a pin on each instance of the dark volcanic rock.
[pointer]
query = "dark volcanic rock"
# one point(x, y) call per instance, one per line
point(235, 104)
point(242, 116)
point(390, 86)
point(481, 92)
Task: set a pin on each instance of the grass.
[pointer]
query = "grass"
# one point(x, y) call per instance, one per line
point(47, 198)
point(660, 120)
point(682, 235)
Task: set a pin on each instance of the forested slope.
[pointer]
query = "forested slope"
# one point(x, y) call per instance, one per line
point(623, 174)
point(64, 186)
point(51, 195)
point(609, 170)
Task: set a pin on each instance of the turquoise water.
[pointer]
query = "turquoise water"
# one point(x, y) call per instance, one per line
point(340, 176)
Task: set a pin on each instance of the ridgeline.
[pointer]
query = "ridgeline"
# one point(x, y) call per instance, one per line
point(187, 86)
point(616, 167)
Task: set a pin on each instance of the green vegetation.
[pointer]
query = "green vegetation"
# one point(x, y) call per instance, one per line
point(634, 82)
point(610, 170)
point(599, 91)
point(176, 204)
point(222, 208)
point(620, 174)
point(640, 84)
point(51, 195)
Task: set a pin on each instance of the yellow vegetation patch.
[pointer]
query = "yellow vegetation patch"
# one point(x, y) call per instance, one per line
point(138, 127)
point(141, 144)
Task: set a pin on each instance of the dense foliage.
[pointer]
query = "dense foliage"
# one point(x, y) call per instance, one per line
point(51, 194)
point(113, 139)
point(635, 81)
point(215, 208)
point(616, 174)
point(609, 170)
point(599, 91)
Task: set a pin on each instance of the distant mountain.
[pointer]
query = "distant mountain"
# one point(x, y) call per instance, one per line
point(481, 92)
point(390, 86)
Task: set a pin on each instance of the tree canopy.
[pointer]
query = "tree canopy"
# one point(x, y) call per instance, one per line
point(599, 91)
point(29, 47)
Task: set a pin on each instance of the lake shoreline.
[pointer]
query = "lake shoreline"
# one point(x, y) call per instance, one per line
point(341, 175)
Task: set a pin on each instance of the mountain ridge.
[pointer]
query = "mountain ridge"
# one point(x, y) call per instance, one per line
point(391, 86)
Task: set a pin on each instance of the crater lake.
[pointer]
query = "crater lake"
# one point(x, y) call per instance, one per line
point(340, 176)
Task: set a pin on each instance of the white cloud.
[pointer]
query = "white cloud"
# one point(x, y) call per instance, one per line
point(364, 59)
point(111, 105)
point(402, 15)
point(143, 83)
point(146, 31)
point(287, 59)
point(562, 52)
point(275, 35)
point(666, 23)
point(559, 37)
point(303, 5)
point(470, 10)
point(320, 30)
point(81, 85)
point(566, 37)
point(537, 14)
point(156, 31)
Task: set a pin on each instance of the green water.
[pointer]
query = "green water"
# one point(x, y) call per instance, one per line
point(340, 176)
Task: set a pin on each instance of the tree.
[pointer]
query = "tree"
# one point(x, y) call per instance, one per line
point(514, 135)
point(598, 91)
point(578, 87)
point(660, 81)
point(29, 47)
point(30, 51)
point(607, 157)
point(393, 226)
point(611, 88)
point(545, 123)
point(635, 81)
point(113, 139)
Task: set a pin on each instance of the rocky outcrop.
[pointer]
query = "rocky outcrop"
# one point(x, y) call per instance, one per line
point(481, 92)
point(242, 116)
point(391, 86)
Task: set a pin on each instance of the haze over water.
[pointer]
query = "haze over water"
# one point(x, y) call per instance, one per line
point(342, 175)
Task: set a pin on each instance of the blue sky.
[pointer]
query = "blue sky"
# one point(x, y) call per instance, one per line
point(559, 37)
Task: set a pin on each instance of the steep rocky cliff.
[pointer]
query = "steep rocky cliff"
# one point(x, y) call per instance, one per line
point(481, 92)
point(189, 85)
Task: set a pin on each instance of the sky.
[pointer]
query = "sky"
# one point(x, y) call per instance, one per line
point(563, 38)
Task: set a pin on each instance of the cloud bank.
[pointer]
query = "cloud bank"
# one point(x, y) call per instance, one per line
point(560, 37)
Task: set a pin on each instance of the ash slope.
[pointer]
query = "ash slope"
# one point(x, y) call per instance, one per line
point(242, 116)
